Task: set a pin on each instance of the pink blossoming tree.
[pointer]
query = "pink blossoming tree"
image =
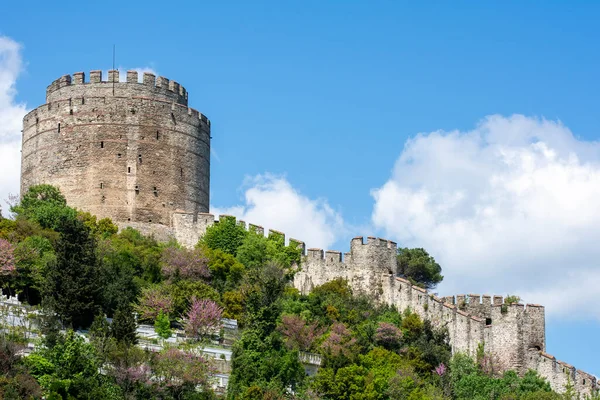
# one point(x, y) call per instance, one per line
point(203, 317)
point(185, 263)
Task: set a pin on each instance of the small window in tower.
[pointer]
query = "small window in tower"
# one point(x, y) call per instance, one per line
point(137, 189)
point(128, 170)
point(140, 158)
point(149, 220)
point(155, 191)
point(101, 185)
point(133, 110)
point(71, 111)
point(101, 145)
point(173, 118)
point(488, 321)
point(181, 171)
point(37, 121)
point(119, 155)
point(82, 100)
point(128, 219)
point(59, 127)
point(157, 135)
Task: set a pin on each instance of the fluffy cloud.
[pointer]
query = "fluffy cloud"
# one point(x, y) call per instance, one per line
point(11, 116)
point(272, 202)
point(509, 207)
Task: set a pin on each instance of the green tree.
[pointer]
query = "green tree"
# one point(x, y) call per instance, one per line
point(226, 271)
point(33, 255)
point(123, 327)
point(162, 325)
point(73, 286)
point(419, 267)
point(45, 205)
point(69, 370)
point(256, 250)
point(225, 235)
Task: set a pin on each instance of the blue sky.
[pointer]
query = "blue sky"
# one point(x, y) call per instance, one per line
point(470, 129)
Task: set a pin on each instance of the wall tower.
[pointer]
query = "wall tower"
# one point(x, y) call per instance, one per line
point(131, 151)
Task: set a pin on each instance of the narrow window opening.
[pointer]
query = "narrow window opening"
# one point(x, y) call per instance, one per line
point(140, 158)
point(133, 110)
point(103, 199)
point(157, 135)
point(155, 191)
point(59, 127)
point(137, 189)
point(37, 121)
point(149, 220)
point(119, 155)
point(128, 170)
point(181, 171)
point(488, 321)
point(101, 185)
point(101, 145)
point(82, 100)
point(584, 381)
point(173, 118)
point(128, 219)
point(71, 111)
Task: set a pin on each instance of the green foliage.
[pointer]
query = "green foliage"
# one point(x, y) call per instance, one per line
point(225, 235)
point(73, 286)
point(182, 292)
point(256, 250)
point(123, 326)
point(70, 369)
point(225, 271)
point(45, 205)
point(512, 299)
point(419, 267)
point(162, 325)
point(33, 254)
point(263, 363)
point(470, 382)
point(101, 229)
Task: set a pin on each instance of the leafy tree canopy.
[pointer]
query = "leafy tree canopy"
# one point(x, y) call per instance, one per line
point(419, 267)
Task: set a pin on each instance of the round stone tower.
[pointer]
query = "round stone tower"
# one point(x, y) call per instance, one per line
point(130, 151)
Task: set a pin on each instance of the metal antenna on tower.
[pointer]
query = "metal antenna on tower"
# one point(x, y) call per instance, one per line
point(113, 68)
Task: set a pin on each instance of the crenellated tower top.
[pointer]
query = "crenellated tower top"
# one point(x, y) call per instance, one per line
point(72, 86)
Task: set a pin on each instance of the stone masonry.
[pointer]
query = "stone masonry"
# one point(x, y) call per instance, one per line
point(135, 152)
point(130, 151)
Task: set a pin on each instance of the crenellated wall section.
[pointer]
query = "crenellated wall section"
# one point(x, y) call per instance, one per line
point(513, 333)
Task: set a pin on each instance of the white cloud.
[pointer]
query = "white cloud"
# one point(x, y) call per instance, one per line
point(11, 117)
point(272, 202)
point(512, 206)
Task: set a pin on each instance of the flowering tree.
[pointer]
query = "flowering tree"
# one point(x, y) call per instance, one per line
point(177, 371)
point(187, 264)
point(153, 301)
point(202, 317)
point(299, 335)
point(339, 346)
point(388, 335)
point(7, 258)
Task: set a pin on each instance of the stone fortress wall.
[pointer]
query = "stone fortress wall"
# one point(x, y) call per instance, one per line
point(130, 151)
point(513, 333)
point(135, 152)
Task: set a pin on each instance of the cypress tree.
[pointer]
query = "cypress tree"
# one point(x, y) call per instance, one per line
point(123, 327)
point(73, 285)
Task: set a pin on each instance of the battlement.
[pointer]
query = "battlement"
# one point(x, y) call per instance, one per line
point(69, 86)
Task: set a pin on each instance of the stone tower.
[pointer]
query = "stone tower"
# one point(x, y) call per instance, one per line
point(130, 151)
